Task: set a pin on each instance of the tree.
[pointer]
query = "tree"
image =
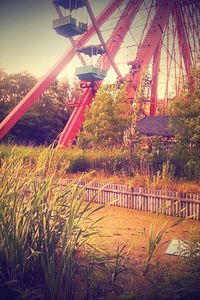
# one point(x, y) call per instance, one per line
point(13, 88)
point(132, 138)
point(185, 123)
point(46, 118)
point(139, 158)
point(107, 119)
point(185, 110)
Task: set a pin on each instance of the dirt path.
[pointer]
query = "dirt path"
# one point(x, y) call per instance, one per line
point(125, 226)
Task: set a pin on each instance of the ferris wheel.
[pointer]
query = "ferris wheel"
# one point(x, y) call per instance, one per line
point(160, 38)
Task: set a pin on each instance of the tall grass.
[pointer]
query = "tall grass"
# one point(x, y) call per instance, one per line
point(77, 160)
point(42, 227)
point(180, 278)
point(154, 239)
point(48, 235)
point(109, 165)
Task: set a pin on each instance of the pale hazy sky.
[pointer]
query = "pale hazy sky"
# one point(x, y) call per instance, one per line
point(28, 42)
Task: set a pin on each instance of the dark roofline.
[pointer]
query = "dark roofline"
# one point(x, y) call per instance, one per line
point(154, 126)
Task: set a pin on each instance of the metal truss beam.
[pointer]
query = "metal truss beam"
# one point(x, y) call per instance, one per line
point(183, 45)
point(120, 31)
point(24, 105)
point(113, 44)
point(103, 43)
point(148, 46)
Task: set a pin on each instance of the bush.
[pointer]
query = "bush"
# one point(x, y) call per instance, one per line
point(181, 164)
point(186, 164)
point(78, 163)
point(111, 162)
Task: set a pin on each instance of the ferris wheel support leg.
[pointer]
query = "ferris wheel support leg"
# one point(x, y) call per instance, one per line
point(113, 44)
point(24, 105)
point(76, 119)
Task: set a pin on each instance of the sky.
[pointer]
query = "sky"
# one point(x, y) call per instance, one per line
point(28, 42)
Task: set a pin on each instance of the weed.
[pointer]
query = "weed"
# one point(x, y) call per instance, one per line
point(155, 237)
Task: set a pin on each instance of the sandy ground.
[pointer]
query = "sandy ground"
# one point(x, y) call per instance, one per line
point(125, 226)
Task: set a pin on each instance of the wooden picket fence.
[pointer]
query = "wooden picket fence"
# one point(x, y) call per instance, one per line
point(170, 203)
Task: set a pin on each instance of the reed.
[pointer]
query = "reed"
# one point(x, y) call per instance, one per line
point(42, 226)
point(155, 236)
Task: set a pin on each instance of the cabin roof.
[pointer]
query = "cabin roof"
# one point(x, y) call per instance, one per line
point(67, 4)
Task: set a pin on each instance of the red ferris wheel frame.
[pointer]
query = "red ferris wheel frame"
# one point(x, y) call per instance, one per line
point(148, 49)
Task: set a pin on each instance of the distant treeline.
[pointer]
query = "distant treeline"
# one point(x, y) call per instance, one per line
point(46, 118)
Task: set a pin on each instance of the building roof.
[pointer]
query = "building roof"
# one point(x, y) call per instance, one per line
point(154, 125)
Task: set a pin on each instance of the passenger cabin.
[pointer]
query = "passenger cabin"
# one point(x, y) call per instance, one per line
point(90, 72)
point(68, 25)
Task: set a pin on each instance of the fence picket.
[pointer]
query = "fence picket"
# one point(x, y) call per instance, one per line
point(174, 203)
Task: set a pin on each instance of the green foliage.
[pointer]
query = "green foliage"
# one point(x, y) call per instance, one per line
point(48, 235)
point(105, 278)
point(78, 162)
point(47, 117)
point(106, 120)
point(183, 155)
point(156, 167)
point(111, 162)
point(48, 239)
point(180, 280)
point(186, 109)
point(186, 163)
point(185, 123)
point(131, 137)
point(42, 226)
point(74, 159)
